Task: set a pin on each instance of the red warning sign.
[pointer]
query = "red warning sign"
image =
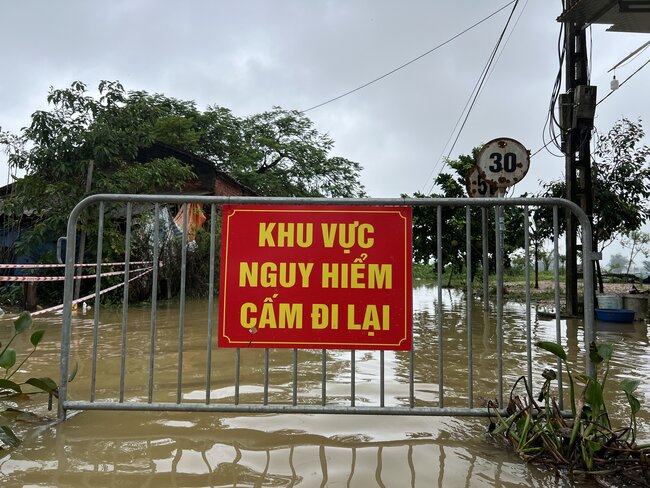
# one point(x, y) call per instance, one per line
point(316, 277)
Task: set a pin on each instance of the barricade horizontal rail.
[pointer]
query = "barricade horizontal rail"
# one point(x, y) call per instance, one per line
point(31, 279)
point(246, 381)
point(76, 265)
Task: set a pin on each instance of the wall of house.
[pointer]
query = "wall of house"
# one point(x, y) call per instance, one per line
point(225, 188)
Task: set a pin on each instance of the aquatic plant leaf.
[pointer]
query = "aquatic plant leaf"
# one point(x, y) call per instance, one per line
point(593, 354)
point(46, 384)
point(549, 374)
point(553, 348)
point(594, 395)
point(629, 385)
point(9, 385)
point(36, 337)
point(23, 322)
point(584, 378)
point(635, 404)
point(8, 358)
point(73, 373)
point(606, 351)
point(594, 446)
point(8, 437)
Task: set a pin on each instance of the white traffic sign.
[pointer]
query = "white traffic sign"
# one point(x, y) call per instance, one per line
point(503, 162)
point(477, 187)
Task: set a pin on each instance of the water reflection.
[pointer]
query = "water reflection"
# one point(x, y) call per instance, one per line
point(200, 449)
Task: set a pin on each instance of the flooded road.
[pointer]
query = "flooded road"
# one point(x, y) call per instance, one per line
point(139, 449)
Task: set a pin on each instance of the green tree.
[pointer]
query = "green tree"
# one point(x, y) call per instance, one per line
point(616, 263)
point(276, 153)
point(454, 248)
point(59, 147)
point(637, 241)
point(621, 185)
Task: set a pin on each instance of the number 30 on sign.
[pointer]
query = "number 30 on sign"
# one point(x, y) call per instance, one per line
point(503, 162)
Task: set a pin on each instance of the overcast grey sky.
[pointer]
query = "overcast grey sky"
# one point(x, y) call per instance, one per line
point(252, 55)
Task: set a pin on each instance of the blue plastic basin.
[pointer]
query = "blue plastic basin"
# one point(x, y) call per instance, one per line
point(615, 314)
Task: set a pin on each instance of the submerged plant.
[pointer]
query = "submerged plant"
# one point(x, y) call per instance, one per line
point(585, 441)
point(12, 391)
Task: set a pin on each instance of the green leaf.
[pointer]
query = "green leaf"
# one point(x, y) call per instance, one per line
point(583, 378)
point(553, 348)
point(606, 351)
point(594, 446)
point(593, 354)
point(629, 385)
point(8, 358)
point(36, 337)
point(8, 437)
point(9, 385)
point(45, 384)
point(73, 373)
point(635, 405)
point(594, 395)
point(23, 322)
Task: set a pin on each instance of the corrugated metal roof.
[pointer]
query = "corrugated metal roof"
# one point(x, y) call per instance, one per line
point(622, 15)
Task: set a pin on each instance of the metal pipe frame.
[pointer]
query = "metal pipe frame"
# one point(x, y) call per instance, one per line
point(295, 405)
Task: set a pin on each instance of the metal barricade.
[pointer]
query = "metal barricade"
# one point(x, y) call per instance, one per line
point(333, 389)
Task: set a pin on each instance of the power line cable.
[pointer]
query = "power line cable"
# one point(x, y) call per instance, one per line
point(598, 103)
point(385, 75)
point(474, 95)
point(623, 82)
point(444, 148)
point(551, 122)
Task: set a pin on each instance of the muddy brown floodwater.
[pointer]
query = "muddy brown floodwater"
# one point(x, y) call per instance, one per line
point(159, 449)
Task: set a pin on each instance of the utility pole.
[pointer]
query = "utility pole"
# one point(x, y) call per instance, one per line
point(577, 106)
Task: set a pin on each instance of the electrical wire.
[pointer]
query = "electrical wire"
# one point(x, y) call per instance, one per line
point(444, 148)
point(623, 82)
point(476, 91)
point(402, 66)
point(598, 103)
point(630, 57)
point(551, 122)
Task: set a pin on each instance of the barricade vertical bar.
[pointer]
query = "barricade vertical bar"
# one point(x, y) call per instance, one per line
point(213, 229)
point(558, 329)
point(181, 319)
point(469, 301)
point(293, 467)
point(125, 296)
point(439, 266)
point(486, 263)
point(266, 376)
point(237, 367)
point(66, 326)
point(295, 377)
point(589, 297)
point(323, 465)
point(353, 392)
point(154, 297)
point(409, 457)
point(382, 379)
point(100, 242)
point(529, 342)
point(380, 451)
point(411, 378)
point(353, 464)
point(499, 263)
point(323, 377)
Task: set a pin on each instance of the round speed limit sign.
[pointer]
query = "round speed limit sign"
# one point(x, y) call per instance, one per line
point(503, 162)
point(477, 187)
